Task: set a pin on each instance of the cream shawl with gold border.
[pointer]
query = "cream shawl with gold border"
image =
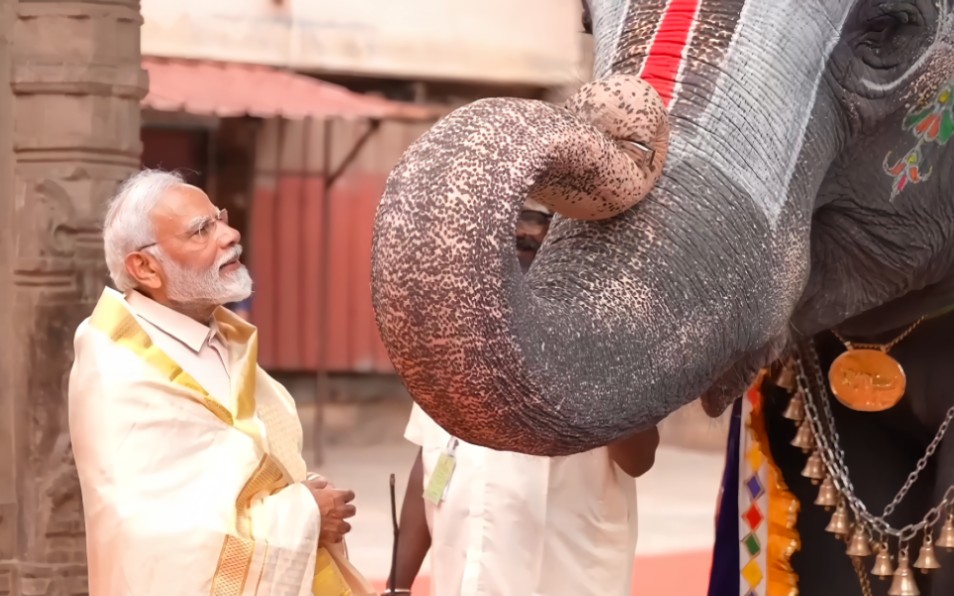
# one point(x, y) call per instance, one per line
point(183, 495)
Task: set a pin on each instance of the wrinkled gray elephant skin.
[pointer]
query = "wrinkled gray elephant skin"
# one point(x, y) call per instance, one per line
point(808, 180)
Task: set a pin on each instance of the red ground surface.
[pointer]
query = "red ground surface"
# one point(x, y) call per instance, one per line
point(682, 574)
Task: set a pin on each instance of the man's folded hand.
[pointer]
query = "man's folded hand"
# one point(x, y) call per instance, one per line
point(335, 507)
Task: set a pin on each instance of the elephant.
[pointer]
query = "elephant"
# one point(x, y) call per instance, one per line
point(778, 212)
point(798, 182)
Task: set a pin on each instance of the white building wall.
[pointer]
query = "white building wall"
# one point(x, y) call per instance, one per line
point(534, 42)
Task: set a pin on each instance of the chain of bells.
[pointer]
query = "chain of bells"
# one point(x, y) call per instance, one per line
point(858, 545)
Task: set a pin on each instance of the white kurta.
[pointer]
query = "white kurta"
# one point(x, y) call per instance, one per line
point(520, 524)
point(186, 492)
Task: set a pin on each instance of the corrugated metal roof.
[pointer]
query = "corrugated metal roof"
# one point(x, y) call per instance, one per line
point(227, 89)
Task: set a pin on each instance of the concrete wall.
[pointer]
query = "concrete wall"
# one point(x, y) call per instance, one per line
point(532, 42)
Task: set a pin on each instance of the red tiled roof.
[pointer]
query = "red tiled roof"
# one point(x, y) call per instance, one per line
point(227, 89)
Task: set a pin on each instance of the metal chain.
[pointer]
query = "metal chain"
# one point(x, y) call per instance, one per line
point(883, 347)
point(922, 463)
point(863, 578)
point(834, 461)
point(832, 456)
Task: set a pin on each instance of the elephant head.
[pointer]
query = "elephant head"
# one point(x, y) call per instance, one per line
point(808, 181)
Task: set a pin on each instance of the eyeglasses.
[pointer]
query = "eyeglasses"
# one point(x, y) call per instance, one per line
point(200, 231)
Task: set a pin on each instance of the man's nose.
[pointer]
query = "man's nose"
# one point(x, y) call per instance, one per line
point(229, 236)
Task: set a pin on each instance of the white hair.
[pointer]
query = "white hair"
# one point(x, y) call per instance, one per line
point(128, 227)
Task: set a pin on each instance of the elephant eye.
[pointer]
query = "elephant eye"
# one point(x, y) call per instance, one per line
point(884, 27)
point(887, 34)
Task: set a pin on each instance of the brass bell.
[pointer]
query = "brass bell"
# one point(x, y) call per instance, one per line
point(858, 547)
point(804, 439)
point(903, 583)
point(786, 376)
point(926, 559)
point(839, 521)
point(814, 468)
point(946, 537)
point(882, 565)
point(827, 494)
point(796, 408)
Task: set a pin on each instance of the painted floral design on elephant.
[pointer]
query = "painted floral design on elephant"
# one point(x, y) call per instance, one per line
point(906, 170)
point(933, 124)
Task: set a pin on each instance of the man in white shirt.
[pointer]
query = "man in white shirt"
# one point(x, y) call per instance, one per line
point(509, 524)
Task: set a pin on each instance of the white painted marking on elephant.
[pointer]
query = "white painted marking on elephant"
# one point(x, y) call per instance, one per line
point(771, 99)
point(609, 19)
point(942, 22)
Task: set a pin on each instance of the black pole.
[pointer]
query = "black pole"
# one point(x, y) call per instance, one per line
point(321, 374)
point(394, 547)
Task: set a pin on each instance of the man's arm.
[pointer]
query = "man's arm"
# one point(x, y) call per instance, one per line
point(636, 454)
point(414, 538)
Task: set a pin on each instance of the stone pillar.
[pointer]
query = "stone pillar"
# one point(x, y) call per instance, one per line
point(76, 81)
point(8, 493)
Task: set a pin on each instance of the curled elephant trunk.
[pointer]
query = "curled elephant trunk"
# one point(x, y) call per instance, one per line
point(623, 317)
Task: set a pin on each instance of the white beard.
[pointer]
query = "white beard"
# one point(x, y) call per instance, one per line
point(210, 287)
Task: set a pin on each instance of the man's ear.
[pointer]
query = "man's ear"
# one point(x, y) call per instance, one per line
point(144, 268)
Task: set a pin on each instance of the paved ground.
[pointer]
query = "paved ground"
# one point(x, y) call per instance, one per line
point(676, 505)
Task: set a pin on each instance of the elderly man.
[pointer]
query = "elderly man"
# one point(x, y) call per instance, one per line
point(502, 524)
point(189, 454)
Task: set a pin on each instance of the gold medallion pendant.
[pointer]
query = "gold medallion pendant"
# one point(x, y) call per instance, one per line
point(867, 380)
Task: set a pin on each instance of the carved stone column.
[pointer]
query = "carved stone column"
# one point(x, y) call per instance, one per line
point(76, 81)
point(8, 495)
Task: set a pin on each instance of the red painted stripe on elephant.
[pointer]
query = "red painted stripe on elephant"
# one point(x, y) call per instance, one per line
point(668, 49)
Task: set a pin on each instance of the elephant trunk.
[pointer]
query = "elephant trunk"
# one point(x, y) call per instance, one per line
point(620, 320)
